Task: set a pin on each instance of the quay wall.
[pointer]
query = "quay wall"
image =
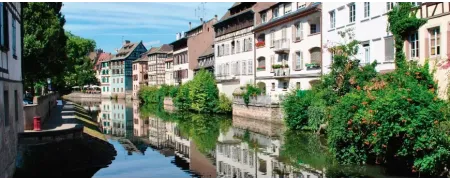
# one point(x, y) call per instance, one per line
point(42, 106)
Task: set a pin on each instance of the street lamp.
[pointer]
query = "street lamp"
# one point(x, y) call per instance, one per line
point(49, 81)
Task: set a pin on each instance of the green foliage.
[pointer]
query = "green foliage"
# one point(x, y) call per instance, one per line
point(225, 104)
point(250, 90)
point(173, 91)
point(203, 92)
point(153, 94)
point(44, 52)
point(182, 101)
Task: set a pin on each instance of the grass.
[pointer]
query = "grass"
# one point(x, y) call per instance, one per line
point(90, 126)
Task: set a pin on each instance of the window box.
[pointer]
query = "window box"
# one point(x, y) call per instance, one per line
point(260, 44)
point(262, 68)
point(277, 66)
point(312, 66)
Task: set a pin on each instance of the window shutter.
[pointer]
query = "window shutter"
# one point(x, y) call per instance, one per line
point(301, 30)
point(294, 61)
point(272, 59)
point(293, 32)
point(301, 59)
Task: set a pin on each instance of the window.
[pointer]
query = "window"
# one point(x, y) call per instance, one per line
point(313, 28)
point(332, 19)
point(6, 107)
point(435, 41)
point(16, 105)
point(416, 3)
point(275, 12)
point(273, 86)
point(366, 9)
point(261, 64)
point(299, 31)
point(315, 55)
point(366, 53)
point(14, 42)
point(264, 17)
point(238, 47)
point(414, 44)
point(287, 8)
point(297, 85)
point(389, 6)
point(272, 39)
point(389, 48)
point(285, 85)
point(298, 60)
point(250, 67)
point(352, 12)
point(244, 67)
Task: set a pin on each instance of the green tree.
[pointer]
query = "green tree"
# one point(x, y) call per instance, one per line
point(203, 92)
point(44, 53)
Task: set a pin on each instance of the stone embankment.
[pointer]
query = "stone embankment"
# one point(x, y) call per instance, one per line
point(69, 145)
point(85, 95)
point(42, 106)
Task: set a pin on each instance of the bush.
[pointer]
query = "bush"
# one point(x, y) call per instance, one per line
point(153, 94)
point(182, 101)
point(225, 104)
point(173, 91)
point(250, 91)
point(203, 92)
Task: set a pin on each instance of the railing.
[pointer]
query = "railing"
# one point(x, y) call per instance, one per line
point(281, 72)
point(281, 45)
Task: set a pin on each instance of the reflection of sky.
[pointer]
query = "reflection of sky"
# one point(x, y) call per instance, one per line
point(151, 165)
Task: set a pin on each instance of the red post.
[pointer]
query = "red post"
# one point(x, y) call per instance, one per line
point(37, 123)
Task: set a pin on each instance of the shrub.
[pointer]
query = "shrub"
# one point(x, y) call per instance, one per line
point(225, 104)
point(148, 94)
point(182, 101)
point(173, 91)
point(250, 91)
point(203, 92)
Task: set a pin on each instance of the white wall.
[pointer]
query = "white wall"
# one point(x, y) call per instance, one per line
point(372, 29)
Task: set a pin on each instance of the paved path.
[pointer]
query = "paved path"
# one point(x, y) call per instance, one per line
point(61, 117)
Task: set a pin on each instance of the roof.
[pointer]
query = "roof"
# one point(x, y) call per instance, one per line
point(227, 15)
point(92, 56)
point(144, 56)
point(125, 51)
point(165, 48)
point(293, 13)
point(179, 40)
point(103, 57)
point(235, 4)
point(208, 51)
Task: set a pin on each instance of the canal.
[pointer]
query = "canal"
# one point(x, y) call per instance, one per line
point(154, 143)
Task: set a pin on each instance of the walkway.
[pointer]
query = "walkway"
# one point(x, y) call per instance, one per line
point(61, 117)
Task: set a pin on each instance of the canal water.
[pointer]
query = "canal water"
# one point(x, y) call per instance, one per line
point(154, 143)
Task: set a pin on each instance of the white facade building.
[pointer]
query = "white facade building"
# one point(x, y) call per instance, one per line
point(11, 88)
point(368, 21)
point(288, 47)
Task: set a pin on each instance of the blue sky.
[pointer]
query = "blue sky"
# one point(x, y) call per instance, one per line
point(153, 23)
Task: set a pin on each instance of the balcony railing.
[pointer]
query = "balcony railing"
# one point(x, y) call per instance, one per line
point(281, 45)
point(281, 72)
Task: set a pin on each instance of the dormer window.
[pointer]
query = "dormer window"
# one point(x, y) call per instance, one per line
point(275, 12)
point(287, 8)
point(264, 17)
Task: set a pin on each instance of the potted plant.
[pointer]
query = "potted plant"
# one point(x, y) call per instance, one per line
point(310, 66)
point(260, 44)
point(276, 66)
point(286, 66)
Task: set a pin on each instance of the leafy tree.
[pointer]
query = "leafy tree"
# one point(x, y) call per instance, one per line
point(44, 52)
point(203, 92)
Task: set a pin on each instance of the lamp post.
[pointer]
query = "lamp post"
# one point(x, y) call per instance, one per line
point(49, 81)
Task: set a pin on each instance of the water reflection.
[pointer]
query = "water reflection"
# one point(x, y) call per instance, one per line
point(166, 144)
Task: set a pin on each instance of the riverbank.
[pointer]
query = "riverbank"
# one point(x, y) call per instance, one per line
point(84, 95)
point(86, 155)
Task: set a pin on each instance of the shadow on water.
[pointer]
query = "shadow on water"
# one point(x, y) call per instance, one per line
point(151, 142)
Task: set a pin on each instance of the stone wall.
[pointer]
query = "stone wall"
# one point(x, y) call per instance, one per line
point(8, 131)
point(260, 107)
point(84, 95)
point(42, 106)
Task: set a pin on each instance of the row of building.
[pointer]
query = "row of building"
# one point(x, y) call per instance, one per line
point(277, 46)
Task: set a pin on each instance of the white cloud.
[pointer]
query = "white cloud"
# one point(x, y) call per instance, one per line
point(151, 43)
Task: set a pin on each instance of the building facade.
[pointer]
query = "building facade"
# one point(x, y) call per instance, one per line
point(121, 68)
point(156, 63)
point(234, 42)
point(140, 74)
point(103, 73)
point(11, 88)
point(367, 21)
point(169, 80)
point(288, 47)
point(206, 61)
point(200, 39)
point(432, 41)
point(181, 71)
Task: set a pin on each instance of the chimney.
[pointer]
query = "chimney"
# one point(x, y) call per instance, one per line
point(127, 42)
point(190, 26)
point(201, 20)
point(215, 16)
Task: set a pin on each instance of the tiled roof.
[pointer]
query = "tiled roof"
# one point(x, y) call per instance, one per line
point(144, 56)
point(298, 11)
point(165, 48)
point(209, 51)
point(103, 57)
point(126, 50)
point(227, 15)
point(92, 56)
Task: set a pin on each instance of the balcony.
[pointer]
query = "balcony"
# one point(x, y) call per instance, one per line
point(281, 46)
point(281, 72)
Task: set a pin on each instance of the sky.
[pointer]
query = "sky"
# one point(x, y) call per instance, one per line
point(153, 23)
